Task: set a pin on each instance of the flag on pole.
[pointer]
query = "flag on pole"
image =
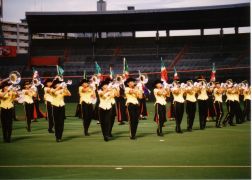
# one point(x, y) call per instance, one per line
point(97, 68)
point(175, 76)
point(60, 70)
point(111, 72)
point(125, 68)
point(213, 77)
point(84, 74)
point(164, 76)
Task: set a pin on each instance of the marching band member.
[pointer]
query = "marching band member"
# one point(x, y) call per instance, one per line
point(202, 102)
point(190, 103)
point(247, 100)
point(7, 97)
point(237, 108)
point(178, 102)
point(230, 103)
point(115, 92)
point(86, 95)
point(142, 101)
point(58, 92)
point(105, 108)
point(160, 94)
point(28, 94)
point(132, 94)
point(120, 105)
point(210, 101)
point(48, 101)
point(217, 93)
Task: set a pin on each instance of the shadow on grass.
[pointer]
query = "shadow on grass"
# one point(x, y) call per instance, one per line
point(68, 138)
point(16, 139)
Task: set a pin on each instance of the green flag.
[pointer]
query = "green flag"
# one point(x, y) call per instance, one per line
point(97, 68)
point(60, 70)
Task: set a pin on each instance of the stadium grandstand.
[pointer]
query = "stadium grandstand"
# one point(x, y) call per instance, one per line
point(191, 55)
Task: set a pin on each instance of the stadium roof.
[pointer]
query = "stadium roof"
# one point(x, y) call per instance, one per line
point(237, 15)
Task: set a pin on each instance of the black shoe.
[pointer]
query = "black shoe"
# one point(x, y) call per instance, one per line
point(50, 131)
point(58, 140)
point(28, 129)
point(106, 139)
point(86, 134)
point(132, 137)
point(189, 129)
point(158, 132)
point(121, 123)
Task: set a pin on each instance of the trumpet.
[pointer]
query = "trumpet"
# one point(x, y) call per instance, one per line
point(14, 78)
point(143, 78)
point(65, 84)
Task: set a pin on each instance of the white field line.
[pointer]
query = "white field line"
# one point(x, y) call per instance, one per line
point(122, 166)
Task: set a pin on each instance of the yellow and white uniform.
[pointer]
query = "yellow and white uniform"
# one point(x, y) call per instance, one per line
point(6, 102)
point(131, 98)
point(217, 96)
point(178, 97)
point(190, 96)
point(58, 98)
point(160, 99)
point(47, 96)
point(202, 95)
point(85, 96)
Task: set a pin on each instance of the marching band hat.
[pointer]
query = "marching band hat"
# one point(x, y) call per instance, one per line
point(4, 84)
point(55, 82)
point(103, 83)
point(47, 80)
point(175, 81)
point(201, 78)
point(83, 81)
point(157, 82)
point(129, 80)
point(245, 82)
point(191, 81)
point(26, 83)
point(229, 80)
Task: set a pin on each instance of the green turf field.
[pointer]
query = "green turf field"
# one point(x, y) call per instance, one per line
point(202, 154)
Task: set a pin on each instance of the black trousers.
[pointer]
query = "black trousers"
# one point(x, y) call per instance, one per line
point(121, 109)
point(133, 118)
point(29, 110)
point(49, 115)
point(230, 115)
point(190, 111)
point(6, 121)
point(238, 113)
point(143, 108)
point(210, 105)
point(105, 118)
point(112, 118)
point(247, 110)
point(178, 113)
point(87, 115)
point(160, 116)
point(219, 112)
point(203, 107)
point(78, 111)
point(59, 118)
